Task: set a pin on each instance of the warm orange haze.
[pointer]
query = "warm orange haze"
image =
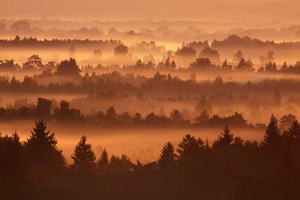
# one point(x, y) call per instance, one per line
point(127, 99)
point(233, 11)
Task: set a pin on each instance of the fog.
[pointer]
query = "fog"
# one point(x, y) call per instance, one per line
point(152, 99)
point(139, 144)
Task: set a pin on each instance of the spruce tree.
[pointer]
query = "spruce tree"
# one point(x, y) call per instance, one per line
point(224, 140)
point(167, 158)
point(190, 148)
point(294, 132)
point(272, 138)
point(83, 157)
point(42, 149)
point(103, 162)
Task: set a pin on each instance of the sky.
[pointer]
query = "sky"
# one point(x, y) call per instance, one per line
point(222, 10)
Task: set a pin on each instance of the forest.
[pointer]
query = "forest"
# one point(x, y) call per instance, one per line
point(164, 109)
point(237, 169)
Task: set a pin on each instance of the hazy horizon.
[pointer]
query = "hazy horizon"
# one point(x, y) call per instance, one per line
point(217, 10)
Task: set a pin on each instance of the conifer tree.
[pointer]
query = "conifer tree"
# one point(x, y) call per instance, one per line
point(84, 159)
point(272, 138)
point(167, 158)
point(103, 162)
point(42, 149)
point(190, 148)
point(225, 139)
point(294, 132)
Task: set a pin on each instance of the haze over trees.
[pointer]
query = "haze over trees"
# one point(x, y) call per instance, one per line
point(147, 109)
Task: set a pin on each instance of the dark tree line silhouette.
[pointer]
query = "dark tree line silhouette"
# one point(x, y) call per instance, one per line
point(67, 79)
point(45, 108)
point(110, 118)
point(227, 168)
point(46, 43)
point(208, 61)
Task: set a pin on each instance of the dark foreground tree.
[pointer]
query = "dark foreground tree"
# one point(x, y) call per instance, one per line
point(103, 162)
point(11, 156)
point(84, 158)
point(224, 140)
point(189, 152)
point(167, 160)
point(14, 183)
point(42, 149)
point(120, 165)
point(294, 131)
point(272, 139)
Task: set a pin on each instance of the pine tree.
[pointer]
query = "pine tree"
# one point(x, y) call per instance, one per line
point(294, 132)
point(190, 147)
point(103, 162)
point(120, 165)
point(272, 139)
point(11, 156)
point(167, 158)
point(83, 157)
point(41, 147)
point(224, 140)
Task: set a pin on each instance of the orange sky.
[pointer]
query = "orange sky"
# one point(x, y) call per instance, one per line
point(223, 10)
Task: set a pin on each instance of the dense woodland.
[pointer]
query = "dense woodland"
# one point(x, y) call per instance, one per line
point(227, 168)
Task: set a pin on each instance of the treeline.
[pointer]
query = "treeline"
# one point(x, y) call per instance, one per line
point(227, 168)
point(242, 42)
point(202, 64)
point(58, 43)
point(67, 78)
point(47, 109)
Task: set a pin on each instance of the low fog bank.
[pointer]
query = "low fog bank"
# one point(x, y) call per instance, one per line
point(139, 144)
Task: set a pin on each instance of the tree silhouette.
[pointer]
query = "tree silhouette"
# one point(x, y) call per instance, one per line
point(201, 64)
point(225, 66)
point(84, 159)
point(190, 149)
point(42, 150)
point(224, 140)
point(34, 62)
point(203, 119)
point(13, 168)
point(272, 138)
point(211, 54)
point(238, 56)
point(65, 113)
point(244, 65)
point(186, 52)
point(176, 116)
point(286, 121)
point(103, 162)
point(119, 165)
point(12, 160)
point(167, 158)
point(69, 68)
point(43, 108)
point(111, 114)
point(294, 131)
point(121, 50)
